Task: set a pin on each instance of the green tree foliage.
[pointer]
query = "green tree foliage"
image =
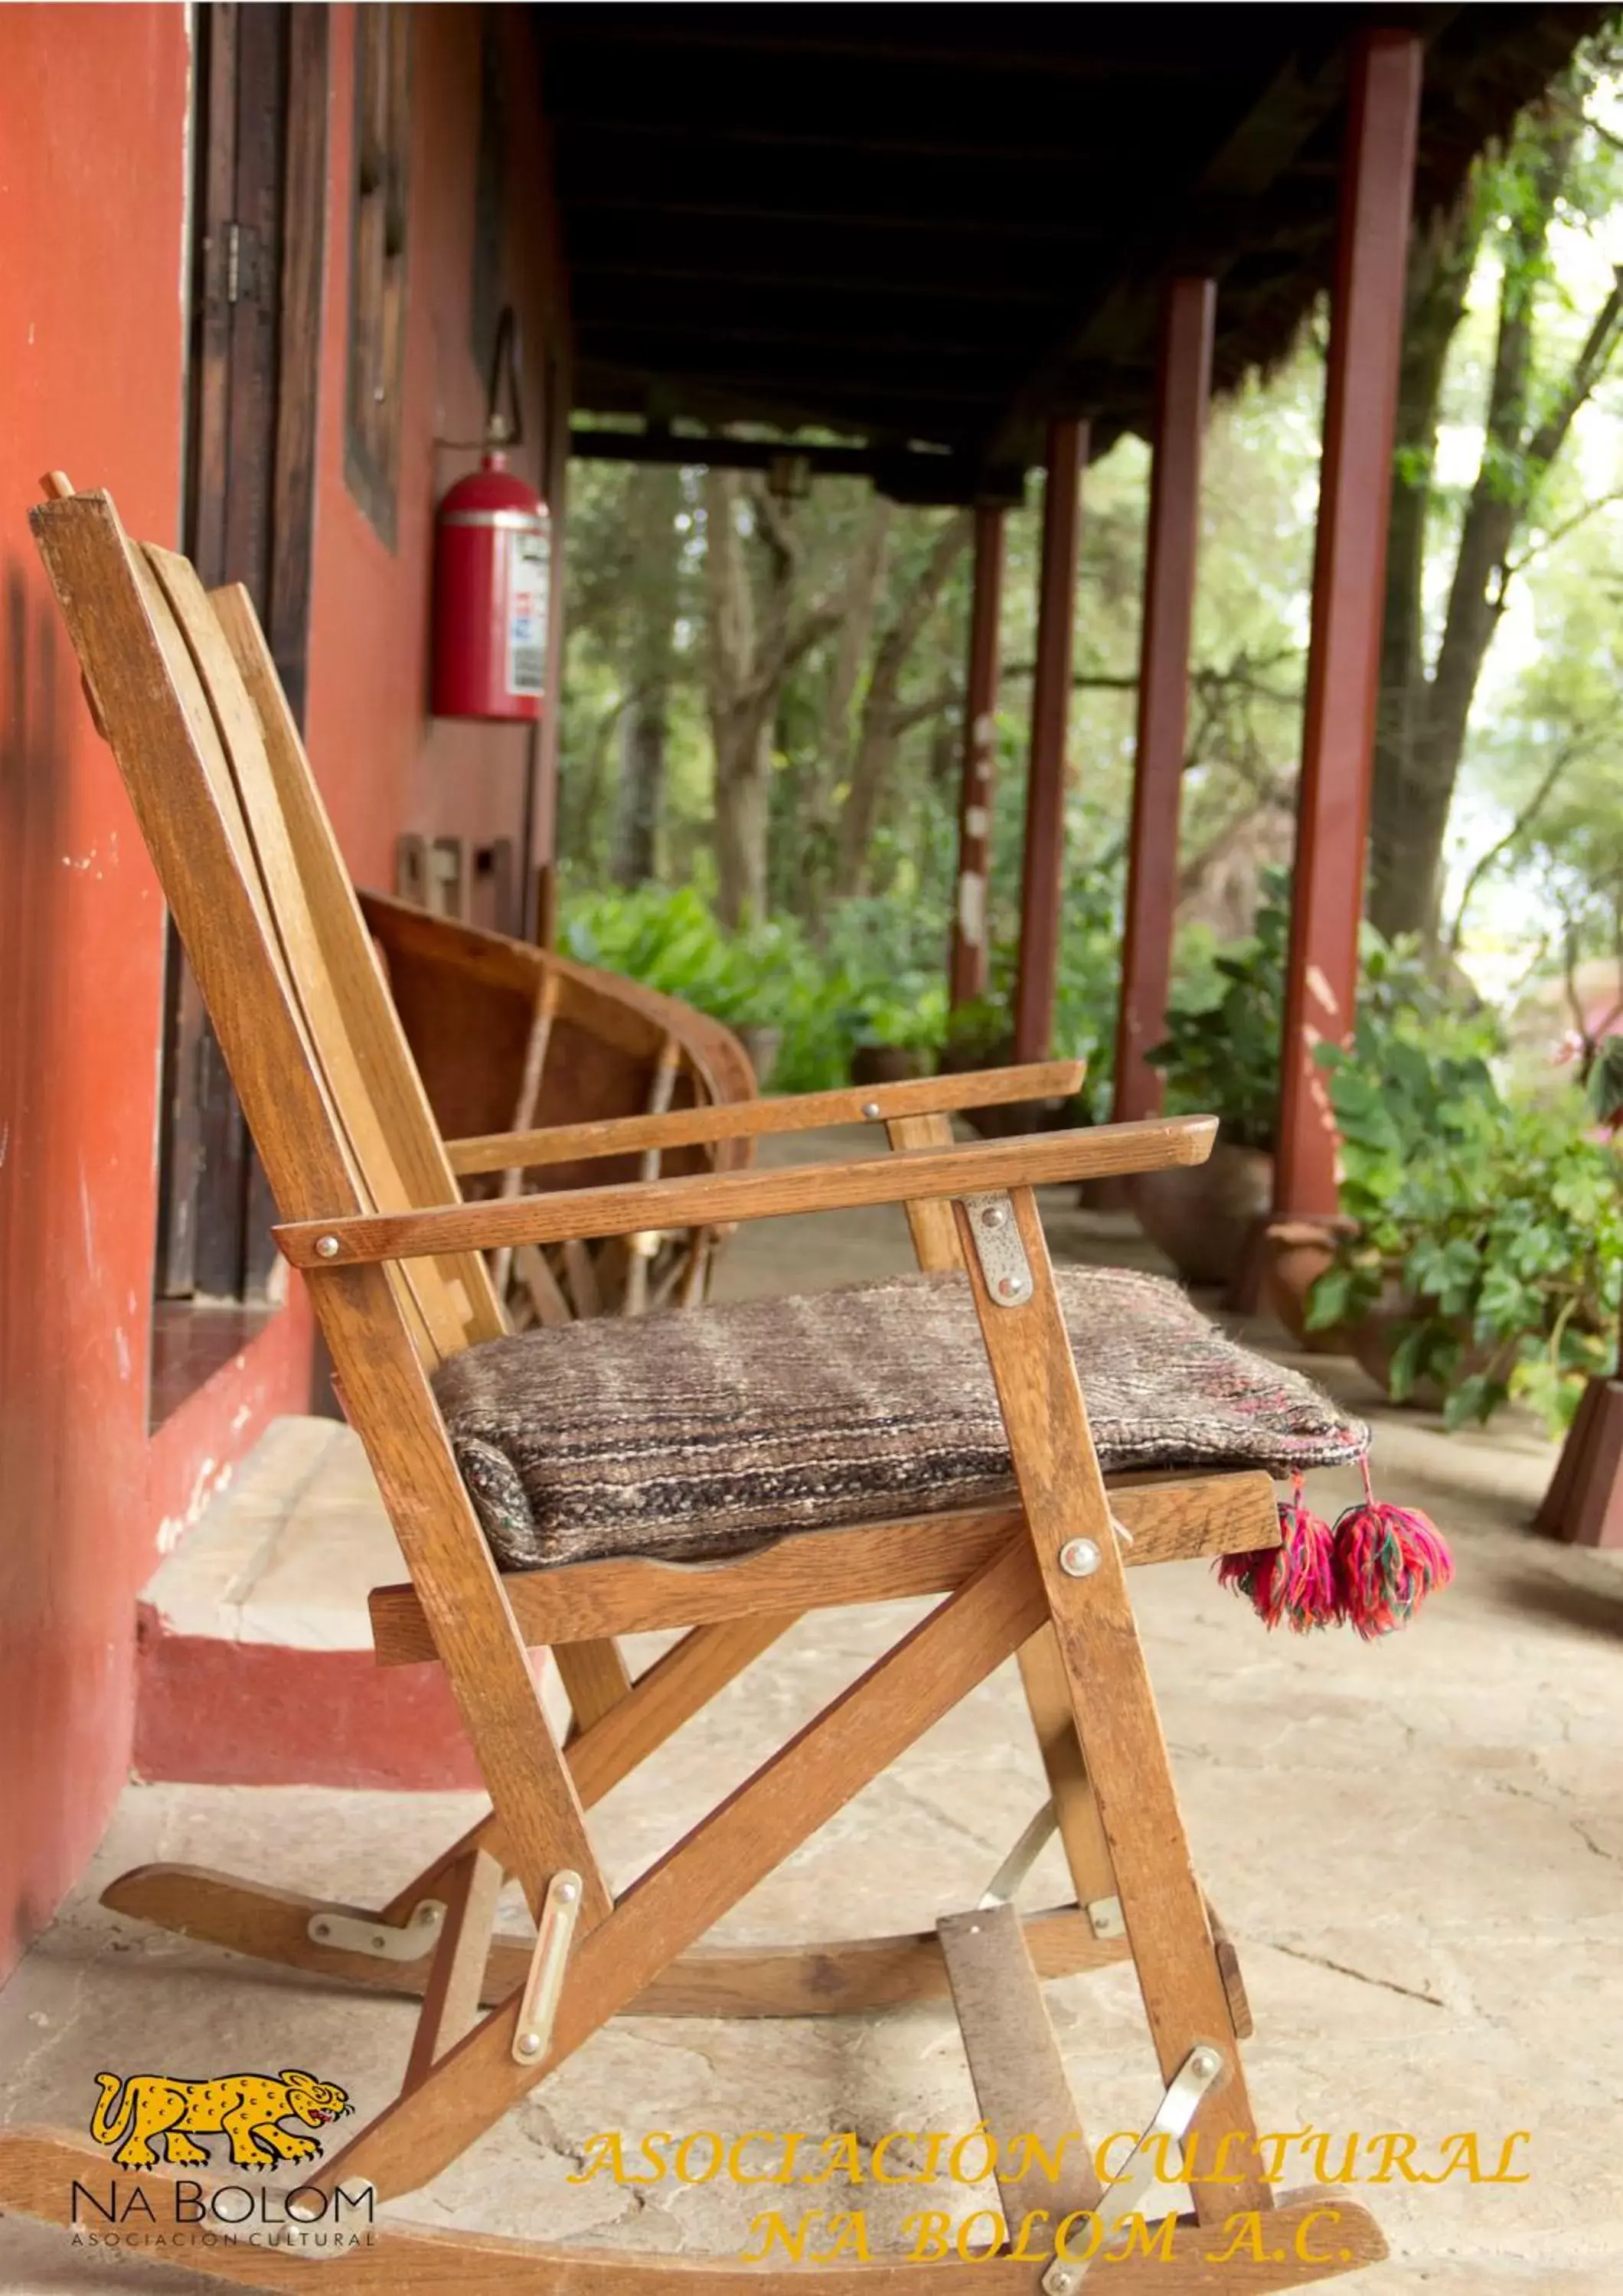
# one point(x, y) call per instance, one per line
point(1522, 380)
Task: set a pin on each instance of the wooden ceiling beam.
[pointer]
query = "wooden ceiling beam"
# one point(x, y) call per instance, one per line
point(576, 39)
point(792, 248)
point(637, 275)
point(842, 183)
point(1096, 146)
point(906, 475)
point(816, 334)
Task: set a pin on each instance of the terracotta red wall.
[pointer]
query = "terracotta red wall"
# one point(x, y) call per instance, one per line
point(93, 231)
point(384, 763)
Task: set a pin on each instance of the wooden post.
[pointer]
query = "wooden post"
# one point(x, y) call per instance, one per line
point(1043, 875)
point(1348, 587)
point(967, 971)
point(1182, 393)
point(1584, 1504)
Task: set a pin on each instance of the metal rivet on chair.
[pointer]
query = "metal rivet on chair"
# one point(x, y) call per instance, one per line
point(1013, 1289)
point(327, 1247)
point(996, 1216)
point(1079, 1558)
point(870, 1109)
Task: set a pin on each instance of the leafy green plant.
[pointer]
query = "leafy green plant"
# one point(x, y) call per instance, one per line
point(979, 1030)
point(1226, 1017)
point(1498, 1230)
point(820, 1004)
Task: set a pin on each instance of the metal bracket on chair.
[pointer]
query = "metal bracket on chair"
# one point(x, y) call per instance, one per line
point(999, 1248)
point(346, 1932)
point(1021, 1859)
point(1122, 2196)
point(539, 2004)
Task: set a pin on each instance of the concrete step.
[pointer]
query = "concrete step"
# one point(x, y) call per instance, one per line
point(255, 1654)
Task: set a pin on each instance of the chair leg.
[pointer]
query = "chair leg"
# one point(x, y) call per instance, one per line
point(1016, 2067)
point(1068, 1517)
point(1048, 1695)
point(450, 2002)
point(1076, 1811)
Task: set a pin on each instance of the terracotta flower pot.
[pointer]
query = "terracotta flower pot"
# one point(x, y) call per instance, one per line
point(888, 1064)
point(1203, 1216)
point(1295, 1254)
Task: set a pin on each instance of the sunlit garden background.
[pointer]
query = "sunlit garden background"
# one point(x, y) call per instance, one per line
point(764, 726)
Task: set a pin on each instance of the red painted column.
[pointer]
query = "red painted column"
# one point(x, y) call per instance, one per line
point(1042, 879)
point(1182, 396)
point(967, 969)
point(1348, 584)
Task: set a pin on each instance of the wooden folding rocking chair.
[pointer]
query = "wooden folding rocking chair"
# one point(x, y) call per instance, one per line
point(183, 687)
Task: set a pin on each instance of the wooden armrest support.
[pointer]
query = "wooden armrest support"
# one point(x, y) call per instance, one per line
point(709, 1198)
point(748, 1119)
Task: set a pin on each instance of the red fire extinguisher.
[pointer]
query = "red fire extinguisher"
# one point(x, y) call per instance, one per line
point(492, 575)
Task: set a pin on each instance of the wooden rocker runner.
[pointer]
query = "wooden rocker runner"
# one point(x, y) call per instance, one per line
point(560, 1487)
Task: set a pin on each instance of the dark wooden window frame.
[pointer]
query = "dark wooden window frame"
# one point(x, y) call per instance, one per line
point(258, 255)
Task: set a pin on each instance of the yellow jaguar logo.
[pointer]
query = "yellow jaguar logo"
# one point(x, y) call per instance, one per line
point(245, 2108)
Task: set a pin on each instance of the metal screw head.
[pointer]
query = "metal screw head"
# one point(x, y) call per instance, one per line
point(529, 2045)
point(1013, 1289)
point(567, 1892)
point(871, 1110)
point(321, 1928)
point(1205, 2064)
point(1079, 1558)
point(996, 1216)
point(1058, 2280)
point(327, 1247)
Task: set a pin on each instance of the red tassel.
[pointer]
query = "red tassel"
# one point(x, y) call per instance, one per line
point(1387, 1560)
point(1294, 1583)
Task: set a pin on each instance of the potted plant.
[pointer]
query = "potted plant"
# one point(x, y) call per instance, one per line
point(1487, 1264)
point(892, 1035)
point(1585, 1500)
point(1220, 1058)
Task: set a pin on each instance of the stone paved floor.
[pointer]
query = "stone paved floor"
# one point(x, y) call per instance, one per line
point(1418, 1848)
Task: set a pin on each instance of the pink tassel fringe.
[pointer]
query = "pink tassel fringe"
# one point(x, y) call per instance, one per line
point(1387, 1560)
point(1292, 1584)
point(1371, 1572)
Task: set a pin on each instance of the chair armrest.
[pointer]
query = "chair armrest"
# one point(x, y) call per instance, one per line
point(709, 1199)
point(748, 1119)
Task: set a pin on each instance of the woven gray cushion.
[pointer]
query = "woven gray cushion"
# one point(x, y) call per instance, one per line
point(690, 1436)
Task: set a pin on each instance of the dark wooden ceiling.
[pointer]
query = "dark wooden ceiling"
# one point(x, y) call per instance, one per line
point(944, 225)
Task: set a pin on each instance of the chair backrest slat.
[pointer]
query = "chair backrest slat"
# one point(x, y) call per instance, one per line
point(188, 693)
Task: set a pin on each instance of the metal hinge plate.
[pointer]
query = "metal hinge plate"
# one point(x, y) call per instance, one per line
point(999, 1248)
point(1124, 2196)
point(539, 2002)
point(348, 1932)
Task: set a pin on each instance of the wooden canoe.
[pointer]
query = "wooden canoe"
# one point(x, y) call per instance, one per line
point(510, 1037)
